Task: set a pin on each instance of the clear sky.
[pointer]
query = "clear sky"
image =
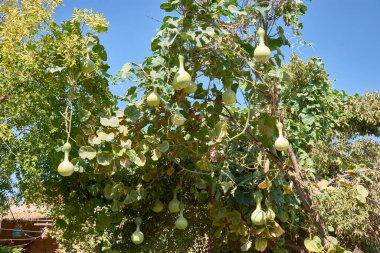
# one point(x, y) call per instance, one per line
point(345, 35)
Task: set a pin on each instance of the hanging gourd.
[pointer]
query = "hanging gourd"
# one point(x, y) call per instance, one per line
point(270, 214)
point(153, 99)
point(192, 88)
point(174, 203)
point(258, 216)
point(261, 244)
point(281, 144)
point(137, 237)
point(229, 96)
point(182, 78)
point(262, 52)
point(66, 168)
point(157, 206)
point(178, 119)
point(88, 65)
point(181, 222)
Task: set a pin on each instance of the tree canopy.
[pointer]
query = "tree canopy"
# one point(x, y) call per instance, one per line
point(199, 158)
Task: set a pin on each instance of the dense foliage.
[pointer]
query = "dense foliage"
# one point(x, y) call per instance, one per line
point(209, 146)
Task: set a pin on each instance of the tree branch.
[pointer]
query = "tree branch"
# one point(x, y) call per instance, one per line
point(4, 97)
point(297, 178)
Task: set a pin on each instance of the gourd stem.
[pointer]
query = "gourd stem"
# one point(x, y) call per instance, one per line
point(261, 39)
point(155, 89)
point(228, 83)
point(279, 127)
point(261, 33)
point(66, 155)
point(258, 205)
point(181, 62)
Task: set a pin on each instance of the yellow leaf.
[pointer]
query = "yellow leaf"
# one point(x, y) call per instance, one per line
point(287, 188)
point(266, 184)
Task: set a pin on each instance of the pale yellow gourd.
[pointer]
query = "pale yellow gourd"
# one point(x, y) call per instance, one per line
point(157, 206)
point(258, 217)
point(153, 99)
point(174, 203)
point(262, 52)
point(88, 65)
point(181, 222)
point(137, 237)
point(281, 143)
point(66, 168)
point(182, 78)
point(229, 96)
point(270, 214)
point(178, 119)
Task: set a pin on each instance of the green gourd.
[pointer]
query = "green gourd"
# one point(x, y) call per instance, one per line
point(191, 88)
point(258, 216)
point(262, 52)
point(270, 214)
point(174, 203)
point(182, 78)
point(66, 168)
point(137, 237)
point(181, 222)
point(157, 206)
point(229, 96)
point(261, 244)
point(281, 144)
point(178, 119)
point(153, 99)
point(88, 65)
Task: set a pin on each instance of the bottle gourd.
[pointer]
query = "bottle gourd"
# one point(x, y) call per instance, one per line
point(182, 78)
point(153, 99)
point(137, 237)
point(281, 144)
point(181, 222)
point(258, 216)
point(262, 52)
point(178, 119)
point(88, 65)
point(229, 96)
point(157, 206)
point(66, 168)
point(270, 214)
point(174, 203)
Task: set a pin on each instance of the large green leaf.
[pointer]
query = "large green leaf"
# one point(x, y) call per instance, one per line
point(313, 245)
point(104, 158)
point(87, 152)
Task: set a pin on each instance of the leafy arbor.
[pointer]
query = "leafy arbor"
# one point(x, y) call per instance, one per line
point(216, 156)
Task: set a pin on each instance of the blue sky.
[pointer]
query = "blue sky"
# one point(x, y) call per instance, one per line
point(344, 34)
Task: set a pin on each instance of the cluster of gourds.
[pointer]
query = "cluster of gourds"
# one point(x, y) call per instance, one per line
point(265, 222)
point(182, 81)
point(174, 206)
